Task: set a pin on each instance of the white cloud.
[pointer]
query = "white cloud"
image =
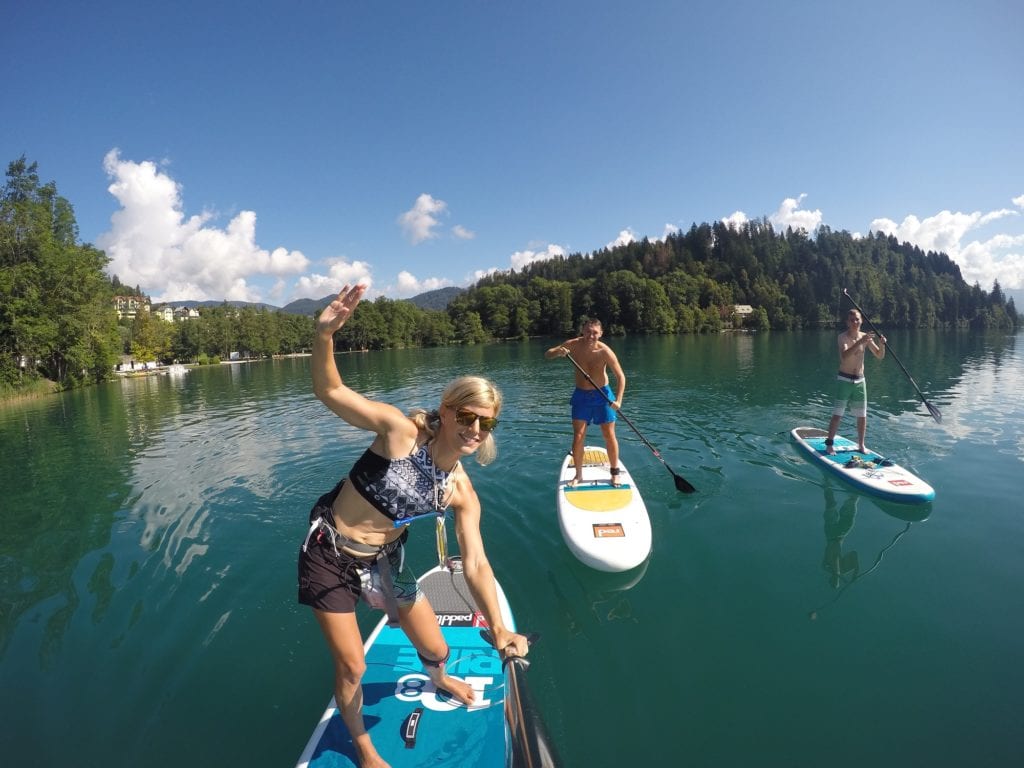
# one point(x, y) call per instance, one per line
point(1019, 201)
point(480, 274)
point(625, 237)
point(339, 274)
point(153, 245)
point(736, 220)
point(459, 232)
point(790, 215)
point(670, 229)
point(410, 285)
point(1000, 257)
point(420, 221)
point(520, 259)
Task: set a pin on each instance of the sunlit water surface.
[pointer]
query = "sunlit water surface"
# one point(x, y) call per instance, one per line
point(150, 528)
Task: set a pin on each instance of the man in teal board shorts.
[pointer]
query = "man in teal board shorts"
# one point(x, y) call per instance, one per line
point(852, 388)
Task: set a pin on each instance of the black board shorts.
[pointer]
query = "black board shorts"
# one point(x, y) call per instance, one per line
point(333, 580)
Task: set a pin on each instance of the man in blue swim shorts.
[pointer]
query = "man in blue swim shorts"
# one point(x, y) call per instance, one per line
point(590, 405)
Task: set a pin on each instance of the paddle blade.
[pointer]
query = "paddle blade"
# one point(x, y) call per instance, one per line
point(935, 412)
point(682, 485)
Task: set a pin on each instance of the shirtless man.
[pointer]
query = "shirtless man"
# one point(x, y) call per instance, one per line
point(852, 389)
point(589, 405)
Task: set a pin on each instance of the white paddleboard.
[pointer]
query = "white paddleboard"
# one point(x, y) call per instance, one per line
point(866, 470)
point(605, 527)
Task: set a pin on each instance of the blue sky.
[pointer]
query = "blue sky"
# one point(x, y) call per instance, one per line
point(275, 150)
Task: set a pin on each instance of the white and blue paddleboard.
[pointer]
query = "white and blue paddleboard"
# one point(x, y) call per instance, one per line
point(865, 470)
point(604, 526)
point(414, 724)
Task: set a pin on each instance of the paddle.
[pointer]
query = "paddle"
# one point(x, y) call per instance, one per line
point(935, 412)
point(682, 485)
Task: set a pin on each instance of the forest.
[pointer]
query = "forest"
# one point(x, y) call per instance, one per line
point(58, 323)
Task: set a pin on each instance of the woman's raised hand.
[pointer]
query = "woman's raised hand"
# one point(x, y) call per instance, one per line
point(340, 310)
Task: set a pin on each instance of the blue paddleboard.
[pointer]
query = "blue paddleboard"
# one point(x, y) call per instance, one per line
point(414, 724)
point(866, 470)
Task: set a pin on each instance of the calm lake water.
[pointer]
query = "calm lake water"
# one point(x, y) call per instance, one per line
point(150, 527)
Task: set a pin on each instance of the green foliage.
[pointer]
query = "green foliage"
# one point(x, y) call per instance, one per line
point(56, 313)
point(57, 319)
point(689, 282)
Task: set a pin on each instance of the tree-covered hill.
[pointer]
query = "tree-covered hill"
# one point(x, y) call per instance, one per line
point(691, 282)
point(57, 318)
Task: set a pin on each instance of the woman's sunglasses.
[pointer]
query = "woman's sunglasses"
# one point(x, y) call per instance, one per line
point(466, 419)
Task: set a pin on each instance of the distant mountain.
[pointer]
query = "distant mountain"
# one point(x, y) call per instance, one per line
point(308, 307)
point(1018, 297)
point(438, 300)
point(191, 304)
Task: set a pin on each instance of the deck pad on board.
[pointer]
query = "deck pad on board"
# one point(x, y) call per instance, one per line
point(396, 689)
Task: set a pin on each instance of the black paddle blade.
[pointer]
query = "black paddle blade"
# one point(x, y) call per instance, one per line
point(682, 485)
point(935, 412)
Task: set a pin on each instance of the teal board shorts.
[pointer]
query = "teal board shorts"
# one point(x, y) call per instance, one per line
point(852, 392)
point(591, 406)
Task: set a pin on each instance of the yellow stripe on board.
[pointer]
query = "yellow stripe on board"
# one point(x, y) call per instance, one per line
point(604, 500)
point(595, 457)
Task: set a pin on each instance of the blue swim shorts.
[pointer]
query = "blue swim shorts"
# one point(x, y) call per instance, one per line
point(591, 406)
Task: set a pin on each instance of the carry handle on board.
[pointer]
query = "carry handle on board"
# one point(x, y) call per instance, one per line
point(410, 726)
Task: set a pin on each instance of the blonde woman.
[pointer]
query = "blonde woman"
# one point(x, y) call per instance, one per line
point(412, 470)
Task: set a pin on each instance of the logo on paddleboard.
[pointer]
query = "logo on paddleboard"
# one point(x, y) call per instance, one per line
point(610, 531)
point(474, 619)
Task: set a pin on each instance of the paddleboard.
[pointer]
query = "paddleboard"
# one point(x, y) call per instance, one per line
point(605, 527)
point(414, 724)
point(866, 470)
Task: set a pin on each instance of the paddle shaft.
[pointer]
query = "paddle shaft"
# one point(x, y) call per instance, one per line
point(681, 483)
point(935, 412)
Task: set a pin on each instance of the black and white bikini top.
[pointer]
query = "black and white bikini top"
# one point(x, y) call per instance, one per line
point(402, 489)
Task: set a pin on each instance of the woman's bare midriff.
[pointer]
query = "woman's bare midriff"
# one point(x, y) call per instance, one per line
point(356, 519)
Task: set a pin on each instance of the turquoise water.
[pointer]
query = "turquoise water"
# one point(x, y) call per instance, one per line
point(150, 528)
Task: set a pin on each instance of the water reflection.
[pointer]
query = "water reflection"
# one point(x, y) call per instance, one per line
point(604, 594)
point(841, 563)
point(838, 523)
point(61, 488)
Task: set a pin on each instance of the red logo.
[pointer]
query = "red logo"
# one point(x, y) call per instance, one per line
point(479, 620)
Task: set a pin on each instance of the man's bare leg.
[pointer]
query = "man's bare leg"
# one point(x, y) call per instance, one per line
point(833, 427)
point(579, 434)
point(862, 428)
point(612, 444)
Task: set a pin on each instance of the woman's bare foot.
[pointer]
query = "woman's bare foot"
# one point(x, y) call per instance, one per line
point(367, 754)
point(574, 482)
point(460, 691)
